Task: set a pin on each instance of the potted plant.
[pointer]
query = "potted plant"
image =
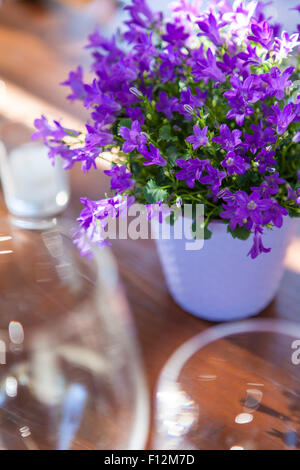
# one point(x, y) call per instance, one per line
point(200, 108)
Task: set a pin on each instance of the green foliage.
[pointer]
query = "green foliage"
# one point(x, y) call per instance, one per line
point(154, 193)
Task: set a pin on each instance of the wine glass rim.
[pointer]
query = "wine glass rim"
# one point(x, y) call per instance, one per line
point(174, 365)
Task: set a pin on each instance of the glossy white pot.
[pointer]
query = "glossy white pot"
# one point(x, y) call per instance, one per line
point(220, 282)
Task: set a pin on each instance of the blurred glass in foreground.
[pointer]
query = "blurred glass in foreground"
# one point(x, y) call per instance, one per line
point(70, 373)
point(233, 387)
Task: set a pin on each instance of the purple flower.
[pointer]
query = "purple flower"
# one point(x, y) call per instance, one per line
point(199, 138)
point(258, 247)
point(275, 214)
point(241, 94)
point(227, 139)
point(75, 82)
point(296, 137)
point(274, 181)
point(170, 58)
point(95, 96)
point(263, 34)
point(192, 170)
point(284, 46)
point(235, 164)
point(120, 178)
point(45, 130)
point(265, 160)
point(261, 137)
point(282, 118)
point(141, 15)
point(166, 105)
point(250, 56)
point(277, 82)
point(210, 28)
point(97, 138)
point(153, 157)
point(214, 178)
point(246, 208)
point(207, 68)
point(249, 89)
point(133, 137)
point(157, 211)
point(194, 101)
point(135, 114)
point(229, 63)
point(175, 34)
point(239, 110)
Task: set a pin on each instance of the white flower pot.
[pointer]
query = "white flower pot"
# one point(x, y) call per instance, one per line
point(220, 282)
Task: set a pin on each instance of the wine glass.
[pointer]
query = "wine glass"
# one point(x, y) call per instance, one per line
point(70, 372)
point(235, 386)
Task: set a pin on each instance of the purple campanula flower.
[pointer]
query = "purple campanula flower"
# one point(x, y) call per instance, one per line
point(261, 138)
point(45, 130)
point(284, 46)
point(157, 211)
point(106, 102)
point(153, 157)
point(277, 82)
point(235, 164)
point(249, 89)
point(250, 56)
point(199, 137)
point(141, 15)
point(166, 105)
point(94, 218)
point(97, 138)
point(120, 178)
point(266, 159)
point(75, 82)
point(282, 118)
point(211, 29)
point(263, 34)
point(135, 114)
point(274, 181)
point(207, 69)
point(229, 63)
point(191, 170)
point(258, 247)
point(175, 34)
point(296, 137)
point(291, 193)
point(170, 58)
point(239, 110)
point(194, 101)
point(214, 178)
point(264, 190)
point(241, 94)
point(134, 139)
point(227, 139)
point(275, 214)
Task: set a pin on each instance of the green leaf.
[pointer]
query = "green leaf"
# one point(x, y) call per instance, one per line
point(172, 154)
point(165, 132)
point(126, 122)
point(207, 232)
point(154, 193)
point(242, 233)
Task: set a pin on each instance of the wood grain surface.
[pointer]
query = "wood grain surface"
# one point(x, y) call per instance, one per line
point(39, 43)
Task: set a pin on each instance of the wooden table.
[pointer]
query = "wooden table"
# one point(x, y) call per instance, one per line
point(39, 43)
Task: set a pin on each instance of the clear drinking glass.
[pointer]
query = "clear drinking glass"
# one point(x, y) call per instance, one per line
point(235, 386)
point(34, 189)
point(70, 372)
